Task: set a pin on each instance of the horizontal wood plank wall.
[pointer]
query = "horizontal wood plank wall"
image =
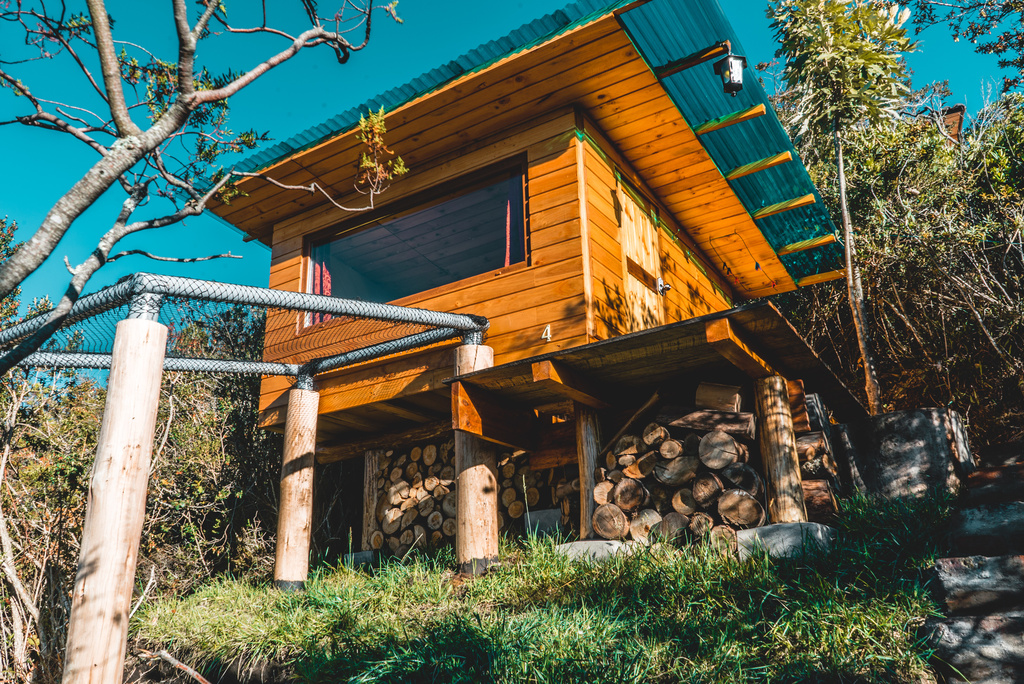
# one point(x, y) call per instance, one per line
point(521, 301)
point(696, 289)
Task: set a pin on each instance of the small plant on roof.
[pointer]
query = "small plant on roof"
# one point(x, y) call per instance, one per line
point(375, 170)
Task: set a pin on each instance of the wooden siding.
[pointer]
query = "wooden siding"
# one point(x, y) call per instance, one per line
point(696, 288)
point(520, 300)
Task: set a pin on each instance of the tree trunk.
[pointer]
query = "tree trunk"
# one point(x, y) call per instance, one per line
point(855, 289)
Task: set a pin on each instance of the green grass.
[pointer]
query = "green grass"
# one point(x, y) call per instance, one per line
point(656, 616)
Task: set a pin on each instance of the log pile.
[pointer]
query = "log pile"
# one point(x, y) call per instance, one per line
point(818, 470)
point(690, 474)
point(522, 489)
point(416, 500)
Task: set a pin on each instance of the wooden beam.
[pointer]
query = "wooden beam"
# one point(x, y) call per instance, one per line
point(786, 205)
point(371, 464)
point(778, 451)
point(330, 453)
point(722, 339)
point(568, 383)
point(403, 412)
point(675, 66)
point(588, 443)
point(821, 277)
point(476, 470)
point(116, 506)
point(730, 119)
point(807, 244)
point(556, 446)
point(295, 508)
point(475, 411)
point(759, 165)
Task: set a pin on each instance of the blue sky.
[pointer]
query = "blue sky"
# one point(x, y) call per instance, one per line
point(39, 166)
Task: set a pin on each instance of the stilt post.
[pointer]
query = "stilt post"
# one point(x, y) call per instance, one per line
point(588, 445)
point(295, 507)
point(476, 481)
point(116, 506)
point(778, 450)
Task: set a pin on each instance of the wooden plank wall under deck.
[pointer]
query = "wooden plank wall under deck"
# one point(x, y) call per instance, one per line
point(520, 300)
point(695, 290)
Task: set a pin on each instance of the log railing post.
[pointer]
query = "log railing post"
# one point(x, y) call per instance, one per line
point(778, 450)
point(476, 481)
point(295, 508)
point(588, 445)
point(116, 506)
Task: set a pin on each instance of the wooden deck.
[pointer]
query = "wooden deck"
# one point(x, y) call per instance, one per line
point(749, 341)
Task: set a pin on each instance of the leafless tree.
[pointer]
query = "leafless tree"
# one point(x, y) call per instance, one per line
point(170, 157)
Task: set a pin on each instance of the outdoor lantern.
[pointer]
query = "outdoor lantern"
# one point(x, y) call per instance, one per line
point(730, 68)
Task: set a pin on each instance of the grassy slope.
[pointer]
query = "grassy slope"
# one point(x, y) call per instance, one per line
point(849, 615)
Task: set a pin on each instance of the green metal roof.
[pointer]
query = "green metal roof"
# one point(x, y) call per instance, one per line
point(662, 31)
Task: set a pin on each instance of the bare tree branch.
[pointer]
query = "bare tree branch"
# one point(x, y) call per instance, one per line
point(179, 260)
point(111, 68)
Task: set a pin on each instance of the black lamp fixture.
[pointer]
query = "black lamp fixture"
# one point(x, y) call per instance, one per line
point(729, 68)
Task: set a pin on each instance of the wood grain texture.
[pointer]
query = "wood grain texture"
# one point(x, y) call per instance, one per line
point(476, 537)
point(588, 444)
point(295, 510)
point(116, 507)
point(778, 450)
point(371, 464)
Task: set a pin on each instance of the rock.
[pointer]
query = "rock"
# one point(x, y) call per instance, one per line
point(982, 650)
point(784, 540)
point(596, 550)
point(995, 485)
point(976, 585)
point(992, 530)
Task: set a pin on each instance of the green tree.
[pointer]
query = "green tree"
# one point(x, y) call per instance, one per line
point(843, 62)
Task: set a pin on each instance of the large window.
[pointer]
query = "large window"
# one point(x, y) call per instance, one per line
point(478, 229)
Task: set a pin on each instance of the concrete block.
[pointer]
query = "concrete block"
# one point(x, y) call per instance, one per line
point(784, 540)
point(988, 650)
point(595, 550)
point(360, 559)
point(904, 454)
point(990, 530)
point(976, 585)
point(543, 523)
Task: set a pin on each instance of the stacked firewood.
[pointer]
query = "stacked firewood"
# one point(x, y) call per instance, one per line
point(416, 500)
point(523, 489)
point(819, 473)
point(689, 474)
point(518, 491)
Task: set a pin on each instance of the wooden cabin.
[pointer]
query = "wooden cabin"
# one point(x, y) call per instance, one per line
point(581, 180)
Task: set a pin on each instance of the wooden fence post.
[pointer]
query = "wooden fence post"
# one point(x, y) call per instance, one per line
point(778, 450)
point(295, 507)
point(476, 481)
point(588, 445)
point(116, 507)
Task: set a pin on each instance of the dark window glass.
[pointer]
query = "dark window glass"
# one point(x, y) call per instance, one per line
point(474, 232)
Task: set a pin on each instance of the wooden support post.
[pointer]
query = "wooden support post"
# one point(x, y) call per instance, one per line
point(295, 507)
point(476, 481)
point(588, 444)
point(778, 450)
point(371, 463)
point(116, 507)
